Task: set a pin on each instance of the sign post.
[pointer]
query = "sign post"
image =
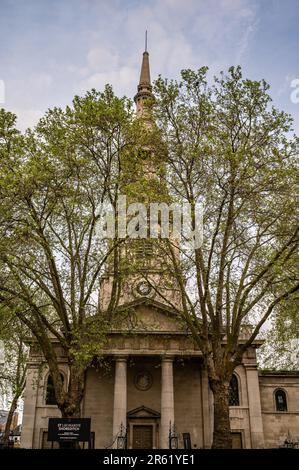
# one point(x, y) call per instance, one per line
point(69, 430)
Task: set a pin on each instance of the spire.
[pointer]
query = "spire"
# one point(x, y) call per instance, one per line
point(145, 78)
point(144, 89)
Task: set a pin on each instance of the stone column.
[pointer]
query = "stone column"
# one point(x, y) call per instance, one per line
point(167, 401)
point(30, 407)
point(120, 395)
point(255, 412)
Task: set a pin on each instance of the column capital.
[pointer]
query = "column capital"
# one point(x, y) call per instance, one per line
point(120, 358)
point(167, 358)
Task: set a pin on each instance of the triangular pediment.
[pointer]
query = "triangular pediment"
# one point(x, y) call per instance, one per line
point(148, 302)
point(148, 315)
point(143, 412)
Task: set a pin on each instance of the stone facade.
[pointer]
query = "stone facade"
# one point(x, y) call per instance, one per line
point(154, 376)
point(277, 424)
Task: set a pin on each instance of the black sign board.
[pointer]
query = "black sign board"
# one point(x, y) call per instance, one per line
point(69, 429)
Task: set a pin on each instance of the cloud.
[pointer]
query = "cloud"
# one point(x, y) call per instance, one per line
point(103, 65)
point(24, 89)
point(121, 79)
point(244, 42)
point(181, 35)
point(102, 58)
point(48, 58)
point(27, 117)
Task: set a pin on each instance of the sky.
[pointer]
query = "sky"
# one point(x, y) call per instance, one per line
point(51, 50)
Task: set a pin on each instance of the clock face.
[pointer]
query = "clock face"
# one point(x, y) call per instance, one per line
point(143, 288)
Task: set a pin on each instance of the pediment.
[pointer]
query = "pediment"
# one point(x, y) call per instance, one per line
point(143, 412)
point(148, 315)
point(150, 303)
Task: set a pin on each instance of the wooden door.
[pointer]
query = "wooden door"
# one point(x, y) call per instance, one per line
point(142, 437)
point(237, 440)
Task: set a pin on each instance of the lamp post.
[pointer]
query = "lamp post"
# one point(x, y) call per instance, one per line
point(122, 438)
point(173, 437)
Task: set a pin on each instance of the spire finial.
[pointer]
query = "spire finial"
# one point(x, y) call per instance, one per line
point(145, 49)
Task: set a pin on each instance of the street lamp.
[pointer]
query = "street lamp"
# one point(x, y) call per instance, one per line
point(173, 437)
point(122, 438)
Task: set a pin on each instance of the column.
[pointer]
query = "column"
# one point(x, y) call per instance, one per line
point(120, 395)
point(255, 412)
point(30, 406)
point(167, 401)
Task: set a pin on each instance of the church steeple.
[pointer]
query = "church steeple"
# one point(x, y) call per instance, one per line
point(144, 89)
point(145, 78)
point(141, 267)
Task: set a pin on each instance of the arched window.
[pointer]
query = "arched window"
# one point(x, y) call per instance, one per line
point(234, 399)
point(281, 400)
point(50, 394)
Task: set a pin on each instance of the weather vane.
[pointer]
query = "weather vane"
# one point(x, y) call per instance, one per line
point(146, 40)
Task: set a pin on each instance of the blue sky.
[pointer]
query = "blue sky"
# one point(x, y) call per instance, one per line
point(53, 49)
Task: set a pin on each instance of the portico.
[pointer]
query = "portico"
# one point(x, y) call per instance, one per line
point(162, 421)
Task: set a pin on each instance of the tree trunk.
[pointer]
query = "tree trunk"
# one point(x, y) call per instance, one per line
point(71, 406)
point(7, 430)
point(222, 435)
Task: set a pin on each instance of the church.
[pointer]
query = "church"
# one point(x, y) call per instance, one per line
point(155, 392)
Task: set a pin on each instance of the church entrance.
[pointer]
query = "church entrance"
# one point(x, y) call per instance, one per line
point(142, 436)
point(143, 428)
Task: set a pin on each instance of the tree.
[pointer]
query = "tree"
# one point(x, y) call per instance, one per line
point(13, 370)
point(53, 184)
point(233, 152)
point(280, 350)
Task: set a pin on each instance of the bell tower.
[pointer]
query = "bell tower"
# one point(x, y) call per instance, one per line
point(142, 265)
